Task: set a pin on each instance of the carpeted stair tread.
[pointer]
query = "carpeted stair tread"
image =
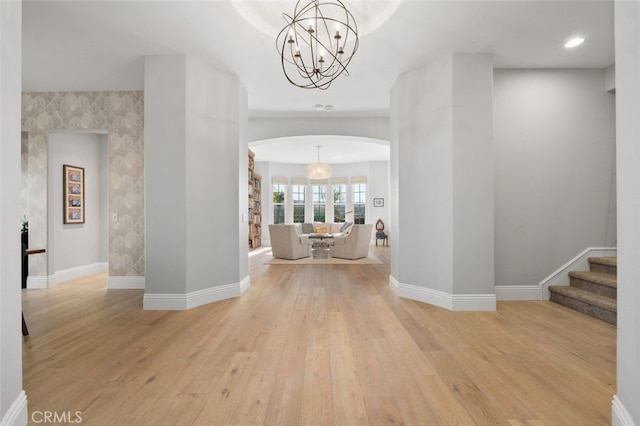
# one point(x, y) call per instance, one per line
point(609, 261)
point(605, 265)
point(585, 296)
point(593, 292)
point(596, 277)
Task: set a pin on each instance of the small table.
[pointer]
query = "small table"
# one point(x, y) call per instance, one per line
point(320, 245)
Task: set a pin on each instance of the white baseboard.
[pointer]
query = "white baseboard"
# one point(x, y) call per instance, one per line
point(517, 292)
point(40, 282)
point(245, 284)
point(80, 271)
point(181, 302)
point(453, 302)
point(17, 414)
point(619, 415)
point(394, 284)
point(126, 283)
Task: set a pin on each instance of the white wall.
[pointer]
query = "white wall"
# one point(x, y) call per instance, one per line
point(626, 410)
point(13, 402)
point(275, 127)
point(554, 170)
point(165, 157)
point(441, 161)
point(216, 110)
point(379, 188)
point(196, 183)
point(75, 245)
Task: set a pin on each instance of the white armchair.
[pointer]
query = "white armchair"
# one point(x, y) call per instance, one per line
point(287, 243)
point(354, 245)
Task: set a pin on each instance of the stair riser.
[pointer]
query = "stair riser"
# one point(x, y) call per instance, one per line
point(585, 308)
point(600, 289)
point(605, 269)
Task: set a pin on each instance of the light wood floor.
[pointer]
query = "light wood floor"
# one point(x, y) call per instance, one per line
point(313, 344)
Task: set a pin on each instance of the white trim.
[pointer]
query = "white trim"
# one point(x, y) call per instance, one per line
point(17, 414)
point(578, 263)
point(181, 302)
point(394, 284)
point(517, 292)
point(126, 283)
point(245, 283)
point(619, 415)
point(474, 302)
point(79, 271)
point(40, 282)
point(453, 302)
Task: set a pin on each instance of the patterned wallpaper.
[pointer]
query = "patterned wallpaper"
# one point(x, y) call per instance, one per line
point(122, 115)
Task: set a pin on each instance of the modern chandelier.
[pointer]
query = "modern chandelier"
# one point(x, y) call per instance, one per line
point(317, 43)
point(318, 170)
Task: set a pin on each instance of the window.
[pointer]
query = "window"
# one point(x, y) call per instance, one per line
point(298, 203)
point(319, 203)
point(359, 202)
point(278, 202)
point(339, 202)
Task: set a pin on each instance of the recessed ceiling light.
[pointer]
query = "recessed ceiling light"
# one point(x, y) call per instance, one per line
point(328, 108)
point(319, 107)
point(576, 41)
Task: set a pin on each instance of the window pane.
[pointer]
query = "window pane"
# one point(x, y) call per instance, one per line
point(299, 194)
point(278, 213)
point(359, 193)
point(298, 213)
point(359, 202)
point(278, 193)
point(299, 198)
point(319, 213)
point(358, 213)
point(319, 201)
point(339, 202)
point(278, 202)
point(339, 194)
point(319, 192)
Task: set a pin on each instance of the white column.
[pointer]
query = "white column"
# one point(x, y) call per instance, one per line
point(13, 401)
point(625, 410)
point(442, 183)
point(196, 190)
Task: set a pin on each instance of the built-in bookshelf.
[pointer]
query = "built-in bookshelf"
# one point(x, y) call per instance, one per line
point(255, 205)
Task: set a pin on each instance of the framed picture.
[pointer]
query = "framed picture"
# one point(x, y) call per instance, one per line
point(73, 198)
point(378, 202)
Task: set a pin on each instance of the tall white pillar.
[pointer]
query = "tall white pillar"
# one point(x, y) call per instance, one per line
point(196, 184)
point(13, 400)
point(442, 183)
point(625, 410)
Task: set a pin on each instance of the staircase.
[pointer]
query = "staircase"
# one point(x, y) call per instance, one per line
point(592, 292)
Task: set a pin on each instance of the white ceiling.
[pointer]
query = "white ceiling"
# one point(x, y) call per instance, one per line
point(100, 45)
